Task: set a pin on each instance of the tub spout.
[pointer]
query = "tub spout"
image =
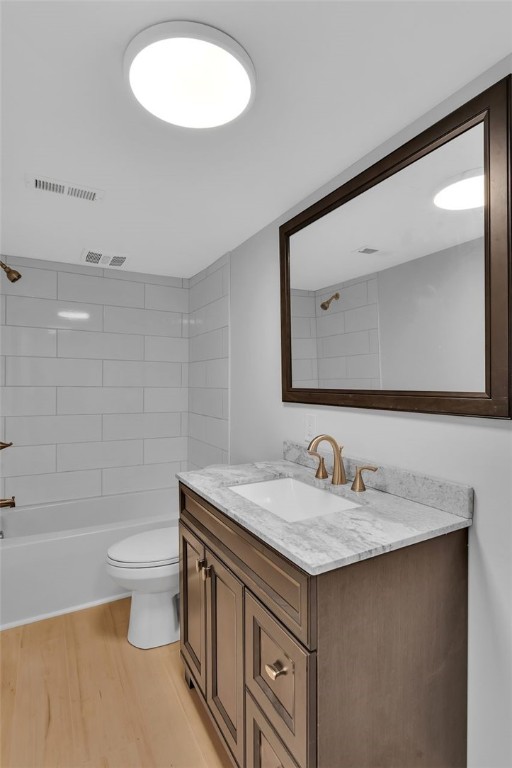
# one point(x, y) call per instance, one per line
point(7, 502)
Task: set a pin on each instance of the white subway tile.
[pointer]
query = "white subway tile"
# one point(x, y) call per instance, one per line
point(2, 371)
point(217, 433)
point(28, 401)
point(144, 374)
point(57, 266)
point(217, 373)
point(144, 277)
point(302, 370)
point(41, 489)
point(332, 368)
point(30, 459)
point(165, 449)
point(160, 348)
point(208, 402)
point(197, 426)
point(39, 342)
point(197, 374)
point(146, 477)
point(374, 340)
point(44, 313)
point(363, 366)
point(361, 319)
point(351, 296)
point(303, 348)
point(184, 423)
point(302, 306)
point(211, 317)
point(209, 289)
point(100, 346)
point(140, 425)
point(345, 383)
point(166, 298)
point(52, 371)
point(165, 399)
point(117, 453)
point(151, 322)
point(43, 430)
point(97, 290)
point(373, 296)
point(184, 375)
point(301, 327)
point(207, 346)
point(344, 344)
point(202, 455)
point(36, 283)
point(328, 325)
point(97, 400)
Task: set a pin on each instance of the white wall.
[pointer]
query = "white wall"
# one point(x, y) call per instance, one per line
point(468, 450)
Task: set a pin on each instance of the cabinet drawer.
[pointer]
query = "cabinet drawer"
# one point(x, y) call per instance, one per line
point(264, 749)
point(277, 582)
point(281, 676)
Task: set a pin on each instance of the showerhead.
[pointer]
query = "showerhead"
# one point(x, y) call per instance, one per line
point(327, 304)
point(12, 274)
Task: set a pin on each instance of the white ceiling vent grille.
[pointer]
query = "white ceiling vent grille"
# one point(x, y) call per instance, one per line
point(65, 188)
point(99, 259)
point(366, 250)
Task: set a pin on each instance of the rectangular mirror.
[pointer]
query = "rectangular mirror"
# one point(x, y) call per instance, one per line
point(395, 286)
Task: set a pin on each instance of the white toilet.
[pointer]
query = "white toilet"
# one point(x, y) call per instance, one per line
point(148, 566)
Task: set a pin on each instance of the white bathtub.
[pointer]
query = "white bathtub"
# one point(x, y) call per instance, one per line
point(52, 558)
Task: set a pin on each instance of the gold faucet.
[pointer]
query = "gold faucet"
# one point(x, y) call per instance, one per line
point(338, 474)
point(7, 502)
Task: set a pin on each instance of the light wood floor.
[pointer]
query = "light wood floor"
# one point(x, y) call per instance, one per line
point(76, 694)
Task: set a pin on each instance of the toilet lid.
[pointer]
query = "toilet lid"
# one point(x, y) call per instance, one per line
point(159, 546)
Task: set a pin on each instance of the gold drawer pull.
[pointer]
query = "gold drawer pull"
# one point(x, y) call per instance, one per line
point(275, 669)
point(206, 572)
point(200, 564)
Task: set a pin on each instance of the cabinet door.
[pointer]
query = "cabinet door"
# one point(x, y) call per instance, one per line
point(193, 606)
point(225, 653)
point(264, 748)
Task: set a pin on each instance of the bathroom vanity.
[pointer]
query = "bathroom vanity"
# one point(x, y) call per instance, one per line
point(338, 641)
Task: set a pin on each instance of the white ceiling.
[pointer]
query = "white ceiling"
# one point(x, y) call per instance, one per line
point(334, 80)
point(397, 217)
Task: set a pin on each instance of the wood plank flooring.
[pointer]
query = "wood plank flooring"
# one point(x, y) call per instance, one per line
point(76, 694)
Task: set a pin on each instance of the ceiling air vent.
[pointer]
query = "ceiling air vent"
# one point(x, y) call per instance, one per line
point(99, 259)
point(65, 188)
point(366, 250)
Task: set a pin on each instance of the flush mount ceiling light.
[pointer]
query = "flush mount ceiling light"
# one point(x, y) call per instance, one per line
point(465, 193)
point(189, 74)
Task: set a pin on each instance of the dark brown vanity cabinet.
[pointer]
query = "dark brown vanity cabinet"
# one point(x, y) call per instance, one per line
point(360, 667)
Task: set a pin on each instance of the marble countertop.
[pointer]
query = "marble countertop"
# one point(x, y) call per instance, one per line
point(383, 522)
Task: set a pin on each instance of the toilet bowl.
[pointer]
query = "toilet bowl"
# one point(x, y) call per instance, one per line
point(147, 565)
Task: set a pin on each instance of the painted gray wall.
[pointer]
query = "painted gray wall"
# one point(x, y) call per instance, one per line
point(468, 450)
point(432, 310)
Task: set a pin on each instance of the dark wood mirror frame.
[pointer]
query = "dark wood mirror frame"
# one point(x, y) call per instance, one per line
point(492, 107)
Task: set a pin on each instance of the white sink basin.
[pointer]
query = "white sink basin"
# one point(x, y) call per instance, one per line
point(292, 500)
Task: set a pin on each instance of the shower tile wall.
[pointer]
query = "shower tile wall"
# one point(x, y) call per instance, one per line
point(97, 406)
point(348, 335)
point(338, 347)
point(209, 366)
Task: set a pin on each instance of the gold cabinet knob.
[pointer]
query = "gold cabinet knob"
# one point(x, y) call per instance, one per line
point(275, 670)
point(358, 485)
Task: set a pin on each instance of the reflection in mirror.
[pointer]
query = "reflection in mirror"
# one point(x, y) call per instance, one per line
point(410, 275)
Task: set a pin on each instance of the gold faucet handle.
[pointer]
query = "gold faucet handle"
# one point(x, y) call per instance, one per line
point(358, 485)
point(321, 472)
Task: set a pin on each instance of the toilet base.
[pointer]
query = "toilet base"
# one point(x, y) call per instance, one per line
point(154, 619)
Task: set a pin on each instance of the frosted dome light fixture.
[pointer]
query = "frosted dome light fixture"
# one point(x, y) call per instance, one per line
point(190, 74)
point(468, 192)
